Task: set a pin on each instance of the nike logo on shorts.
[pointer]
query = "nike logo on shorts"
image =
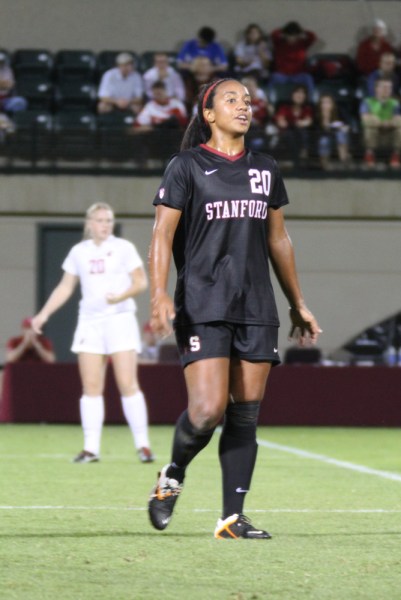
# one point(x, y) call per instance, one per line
point(210, 172)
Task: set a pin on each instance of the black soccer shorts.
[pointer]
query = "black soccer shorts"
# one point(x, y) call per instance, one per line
point(222, 339)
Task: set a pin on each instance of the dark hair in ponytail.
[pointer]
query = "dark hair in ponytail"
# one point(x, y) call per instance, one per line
point(198, 130)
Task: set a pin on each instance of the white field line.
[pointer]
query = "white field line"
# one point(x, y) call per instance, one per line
point(209, 510)
point(343, 464)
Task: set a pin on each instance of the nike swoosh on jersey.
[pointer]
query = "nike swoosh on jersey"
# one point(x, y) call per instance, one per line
point(210, 172)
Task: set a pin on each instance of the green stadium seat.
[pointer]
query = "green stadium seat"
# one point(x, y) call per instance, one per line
point(75, 64)
point(75, 135)
point(32, 64)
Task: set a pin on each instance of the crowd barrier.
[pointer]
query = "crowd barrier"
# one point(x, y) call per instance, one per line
point(295, 395)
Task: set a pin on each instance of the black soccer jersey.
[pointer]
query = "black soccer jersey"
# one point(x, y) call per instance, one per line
point(220, 246)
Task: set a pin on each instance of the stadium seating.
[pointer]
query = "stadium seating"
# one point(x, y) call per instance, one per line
point(75, 95)
point(33, 136)
point(296, 355)
point(75, 135)
point(66, 81)
point(38, 93)
point(331, 67)
point(32, 64)
point(75, 65)
point(372, 343)
point(280, 93)
point(115, 143)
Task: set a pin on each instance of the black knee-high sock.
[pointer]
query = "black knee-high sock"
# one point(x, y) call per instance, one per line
point(237, 452)
point(188, 442)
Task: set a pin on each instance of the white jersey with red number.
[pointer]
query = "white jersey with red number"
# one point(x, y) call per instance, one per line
point(104, 269)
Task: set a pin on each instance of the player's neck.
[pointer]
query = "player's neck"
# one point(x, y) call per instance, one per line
point(99, 241)
point(227, 145)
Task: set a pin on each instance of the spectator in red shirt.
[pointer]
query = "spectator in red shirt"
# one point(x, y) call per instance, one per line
point(290, 46)
point(371, 48)
point(294, 121)
point(29, 347)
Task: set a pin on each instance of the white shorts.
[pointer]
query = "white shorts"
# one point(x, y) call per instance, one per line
point(107, 335)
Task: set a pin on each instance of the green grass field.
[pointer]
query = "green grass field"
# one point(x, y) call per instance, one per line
point(81, 532)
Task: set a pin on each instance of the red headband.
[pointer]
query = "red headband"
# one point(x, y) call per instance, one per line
point(207, 94)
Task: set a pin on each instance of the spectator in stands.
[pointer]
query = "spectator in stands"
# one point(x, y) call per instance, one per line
point(163, 71)
point(160, 123)
point(331, 132)
point(111, 274)
point(9, 101)
point(262, 134)
point(381, 122)
point(262, 110)
point(29, 346)
point(371, 48)
point(290, 46)
point(294, 121)
point(6, 126)
point(202, 72)
point(161, 111)
point(203, 45)
point(386, 70)
point(121, 88)
point(252, 54)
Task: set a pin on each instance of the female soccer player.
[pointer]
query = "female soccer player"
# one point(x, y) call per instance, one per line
point(111, 273)
point(219, 209)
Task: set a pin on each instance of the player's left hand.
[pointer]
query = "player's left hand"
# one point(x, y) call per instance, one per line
point(305, 329)
point(112, 298)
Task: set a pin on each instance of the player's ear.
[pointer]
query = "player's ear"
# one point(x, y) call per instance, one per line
point(208, 115)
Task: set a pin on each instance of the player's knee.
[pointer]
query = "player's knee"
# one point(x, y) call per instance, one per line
point(204, 418)
point(128, 389)
point(92, 390)
point(241, 419)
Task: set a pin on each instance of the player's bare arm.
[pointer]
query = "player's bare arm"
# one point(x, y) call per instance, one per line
point(305, 328)
point(162, 306)
point(59, 296)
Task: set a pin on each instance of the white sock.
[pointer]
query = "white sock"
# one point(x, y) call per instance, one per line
point(92, 417)
point(136, 414)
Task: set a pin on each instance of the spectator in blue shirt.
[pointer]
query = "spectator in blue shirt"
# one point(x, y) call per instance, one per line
point(203, 45)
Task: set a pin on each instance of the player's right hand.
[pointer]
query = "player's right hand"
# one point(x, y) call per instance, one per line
point(162, 314)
